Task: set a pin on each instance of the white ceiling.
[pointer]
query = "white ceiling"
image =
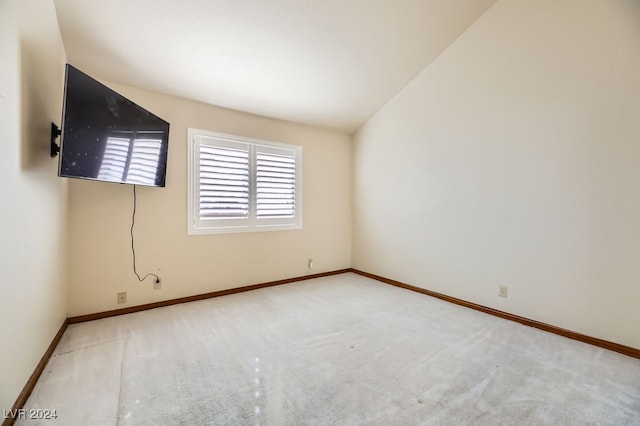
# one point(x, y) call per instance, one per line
point(330, 63)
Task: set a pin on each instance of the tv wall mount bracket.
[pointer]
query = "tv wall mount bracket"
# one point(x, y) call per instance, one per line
point(55, 148)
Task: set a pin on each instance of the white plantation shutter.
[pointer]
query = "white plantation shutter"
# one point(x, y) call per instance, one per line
point(239, 184)
point(275, 182)
point(224, 182)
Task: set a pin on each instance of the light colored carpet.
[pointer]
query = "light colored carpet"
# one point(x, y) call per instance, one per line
point(341, 350)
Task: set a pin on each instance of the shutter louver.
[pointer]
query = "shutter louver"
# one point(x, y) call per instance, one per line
point(275, 184)
point(224, 182)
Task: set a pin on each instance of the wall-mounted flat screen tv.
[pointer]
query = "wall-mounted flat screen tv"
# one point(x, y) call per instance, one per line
point(107, 137)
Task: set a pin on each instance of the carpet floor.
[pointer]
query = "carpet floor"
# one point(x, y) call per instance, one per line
point(340, 350)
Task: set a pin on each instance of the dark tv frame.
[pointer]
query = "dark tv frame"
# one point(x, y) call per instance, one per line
point(56, 149)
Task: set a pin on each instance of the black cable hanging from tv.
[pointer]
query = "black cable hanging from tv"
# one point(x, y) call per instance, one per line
point(133, 248)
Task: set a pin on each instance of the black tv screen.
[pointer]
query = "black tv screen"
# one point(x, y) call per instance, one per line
point(107, 137)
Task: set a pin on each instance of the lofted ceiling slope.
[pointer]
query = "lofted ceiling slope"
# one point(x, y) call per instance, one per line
point(328, 63)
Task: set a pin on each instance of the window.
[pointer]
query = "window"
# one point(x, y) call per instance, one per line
point(238, 184)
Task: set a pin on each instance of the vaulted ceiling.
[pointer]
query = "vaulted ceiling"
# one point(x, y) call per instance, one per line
point(329, 63)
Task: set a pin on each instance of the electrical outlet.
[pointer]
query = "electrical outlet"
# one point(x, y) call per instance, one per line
point(122, 297)
point(503, 291)
point(157, 285)
point(310, 263)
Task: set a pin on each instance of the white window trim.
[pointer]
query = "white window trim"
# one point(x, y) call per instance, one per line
point(196, 226)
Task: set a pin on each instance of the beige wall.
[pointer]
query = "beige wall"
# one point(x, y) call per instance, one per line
point(100, 261)
point(33, 294)
point(513, 160)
